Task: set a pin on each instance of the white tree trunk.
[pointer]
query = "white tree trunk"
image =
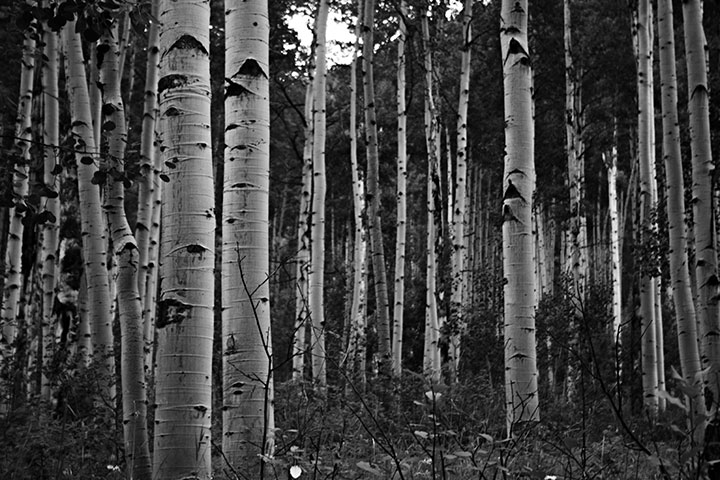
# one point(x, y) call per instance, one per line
point(51, 199)
point(303, 247)
point(459, 252)
point(134, 398)
point(646, 176)
point(521, 385)
point(183, 376)
point(401, 223)
point(20, 189)
point(382, 309)
point(616, 278)
point(248, 419)
point(317, 265)
point(146, 183)
point(703, 169)
point(675, 193)
point(431, 362)
point(95, 256)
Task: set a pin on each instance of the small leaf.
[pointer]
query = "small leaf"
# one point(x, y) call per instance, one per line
point(421, 434)
point(86, 160)
point(295, 471)
point(369, 468)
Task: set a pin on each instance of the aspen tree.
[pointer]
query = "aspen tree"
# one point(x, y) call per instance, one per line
point(402, 166)
point(146, 185)
point(431, 359)
point(706, 264)
point(20, 189)
point(185, 321)
point(576, 165)
point(675, 192)
point(356, 330)
point(317, 252)
point(51, 198)
point(459, 253)
point(615, 278)
point(646, 177)
point(91, 215)
point(382, 313)
point(248, 419)
point(304, 242)
point(134, 397)
point(521, 385)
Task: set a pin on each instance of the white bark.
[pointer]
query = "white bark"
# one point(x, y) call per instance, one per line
point(521, 385)
point(51, 200)
point(459, 252)
point(679, 267)
point(185, 322)
point(248, 419)
point(146, 183)
point(92, 222)
point(317, 264)
point(646, 177)
point(20, 187)
point(706, 264)
point(401, 224)
point(382, 313)
point(431, 359)
point(134, 398)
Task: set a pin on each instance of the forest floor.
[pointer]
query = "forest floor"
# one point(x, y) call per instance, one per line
point(412, 432)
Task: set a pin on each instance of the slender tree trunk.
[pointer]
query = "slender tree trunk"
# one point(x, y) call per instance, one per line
point(134, 397)
point(304, 244)
point(20, 189)
point(402, 166)
point(431, 363)
point(459, 253)
point(611, 165)
point(521, 385)
point(356, 320)
point(647, 173)
point(146, 183)
point(317, 265)
point(382, 313)
point(248, 419)
point(576, 166)
point(95, 255)
point(185, 322)
point(51, 200)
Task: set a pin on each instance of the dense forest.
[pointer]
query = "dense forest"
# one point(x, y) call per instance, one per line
point(480, 244)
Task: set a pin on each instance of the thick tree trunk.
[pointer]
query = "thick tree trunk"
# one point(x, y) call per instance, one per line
point(185, 323)
point(248, 419)
point(521, 385)
point(703, 169)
